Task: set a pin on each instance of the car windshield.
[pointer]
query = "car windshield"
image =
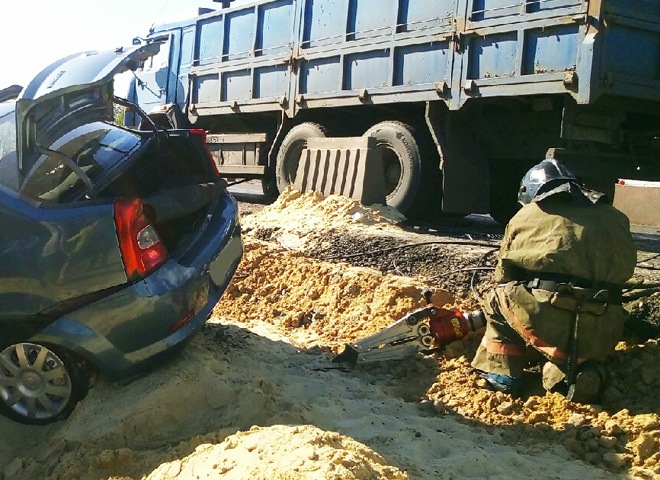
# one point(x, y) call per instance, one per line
point(87, 151)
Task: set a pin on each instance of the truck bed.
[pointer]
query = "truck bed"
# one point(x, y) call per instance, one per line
point(296, 54)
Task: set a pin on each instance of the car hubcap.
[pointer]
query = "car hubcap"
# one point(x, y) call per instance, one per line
point(33, 381)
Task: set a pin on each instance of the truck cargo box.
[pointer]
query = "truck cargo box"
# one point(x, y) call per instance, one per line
point(481, 89)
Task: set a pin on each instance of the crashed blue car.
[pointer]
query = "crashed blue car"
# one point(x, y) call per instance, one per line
point(115, 243)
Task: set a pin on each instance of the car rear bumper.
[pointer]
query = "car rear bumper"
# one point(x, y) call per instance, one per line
point(123, 332)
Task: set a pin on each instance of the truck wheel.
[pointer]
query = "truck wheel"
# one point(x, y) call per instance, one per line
point(502, 206)
point(269, 187)
point(402, 162)
point(39, 386)
point(292, 146)
point(505, 180)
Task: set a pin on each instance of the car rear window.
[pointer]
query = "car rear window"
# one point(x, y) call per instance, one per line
point(95, 148)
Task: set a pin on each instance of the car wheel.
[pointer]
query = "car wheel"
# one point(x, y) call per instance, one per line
point(39, 386)
point(289, 153)
point(402, 162)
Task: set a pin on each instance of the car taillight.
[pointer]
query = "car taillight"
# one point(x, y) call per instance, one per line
point(141, 248)
point(202, 134)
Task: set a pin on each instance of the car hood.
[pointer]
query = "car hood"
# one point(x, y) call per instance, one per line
point(69, 93)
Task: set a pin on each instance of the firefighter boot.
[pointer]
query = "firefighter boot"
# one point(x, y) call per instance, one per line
point(502, 383)
point(589, 383)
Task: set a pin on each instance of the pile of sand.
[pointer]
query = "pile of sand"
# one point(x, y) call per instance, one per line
point(295, 218)
point(278, 453)
point(315, 303)
point(256, 395)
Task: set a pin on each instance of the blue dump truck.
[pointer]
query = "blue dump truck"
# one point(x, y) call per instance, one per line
point(462, 96)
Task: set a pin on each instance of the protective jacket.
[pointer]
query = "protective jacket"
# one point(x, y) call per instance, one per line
point(562, 252)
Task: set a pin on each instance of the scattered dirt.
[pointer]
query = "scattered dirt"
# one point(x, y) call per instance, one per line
point(256, 395)
point(608, 436)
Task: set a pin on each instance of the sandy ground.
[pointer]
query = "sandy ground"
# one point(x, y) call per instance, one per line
point(256, 396)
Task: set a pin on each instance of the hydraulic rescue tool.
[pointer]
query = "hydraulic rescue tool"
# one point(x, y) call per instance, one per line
point(423, 330)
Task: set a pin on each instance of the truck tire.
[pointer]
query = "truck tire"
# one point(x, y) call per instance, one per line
point(402, 162)
point(502, 206)
point(292, 146)
point(504, 184)
point(269, 186)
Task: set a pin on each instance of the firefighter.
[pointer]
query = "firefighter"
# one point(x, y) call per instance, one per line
point(564, 258)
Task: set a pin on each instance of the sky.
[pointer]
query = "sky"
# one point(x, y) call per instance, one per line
point(35, 33)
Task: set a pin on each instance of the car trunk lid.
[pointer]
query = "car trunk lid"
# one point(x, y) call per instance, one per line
point(72, 92)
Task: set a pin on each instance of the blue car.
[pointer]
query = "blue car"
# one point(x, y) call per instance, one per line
point(115, 243)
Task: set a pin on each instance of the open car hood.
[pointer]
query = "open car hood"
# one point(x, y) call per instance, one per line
point(69, 93)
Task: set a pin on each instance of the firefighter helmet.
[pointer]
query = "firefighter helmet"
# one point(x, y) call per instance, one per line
point(547, 174)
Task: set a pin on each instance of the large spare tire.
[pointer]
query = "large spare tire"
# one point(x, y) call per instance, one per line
point(292, 146)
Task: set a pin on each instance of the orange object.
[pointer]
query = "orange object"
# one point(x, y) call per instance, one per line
point(450, 325)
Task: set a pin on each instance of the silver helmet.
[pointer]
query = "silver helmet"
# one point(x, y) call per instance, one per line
point(547, 174)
